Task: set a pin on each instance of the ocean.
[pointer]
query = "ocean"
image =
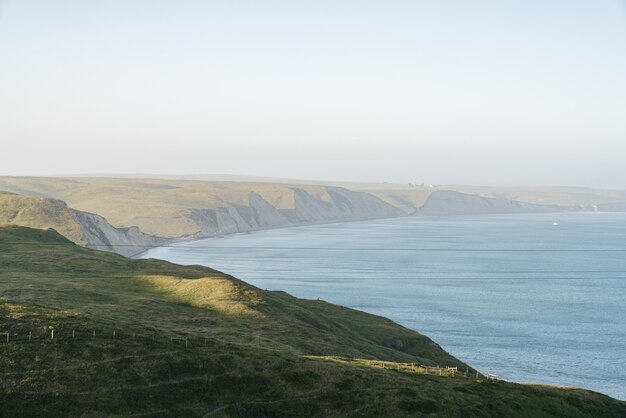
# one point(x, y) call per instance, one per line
point(535, 298)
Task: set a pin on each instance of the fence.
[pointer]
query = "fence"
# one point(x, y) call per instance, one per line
point(186, 341)
point(53, 335)
point(406, 367)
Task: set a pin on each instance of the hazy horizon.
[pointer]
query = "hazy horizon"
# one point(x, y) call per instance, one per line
point(447, 92)
point(295, 180)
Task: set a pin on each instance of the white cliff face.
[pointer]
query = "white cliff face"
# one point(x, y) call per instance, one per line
point(455, 203)
point(260, 214)
point(343, 204)
point(309, 209)
point(264, 214)
point(100, 235)
point(361, 205)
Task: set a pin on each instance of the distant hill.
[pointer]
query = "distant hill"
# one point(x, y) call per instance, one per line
point(443, 203)
point(97, 334)
point(80, 227)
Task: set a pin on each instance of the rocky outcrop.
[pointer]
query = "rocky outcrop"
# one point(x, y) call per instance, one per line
point(206, 219)
point(263, 214)
point(360, 205)
point(80, 227)
point(455, 203)
point(231, 219)
point(100, 235)
point(310, 209)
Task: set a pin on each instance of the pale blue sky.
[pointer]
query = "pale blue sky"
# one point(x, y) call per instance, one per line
point(482, 92)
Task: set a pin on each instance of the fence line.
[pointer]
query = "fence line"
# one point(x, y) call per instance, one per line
point(445, 371)
point(52, 335)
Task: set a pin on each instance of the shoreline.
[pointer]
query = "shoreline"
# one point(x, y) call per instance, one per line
point(197, 237)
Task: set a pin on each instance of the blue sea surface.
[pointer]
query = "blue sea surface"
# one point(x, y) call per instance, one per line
point(535, 298)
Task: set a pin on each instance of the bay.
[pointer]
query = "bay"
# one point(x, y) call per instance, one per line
point(531, 297)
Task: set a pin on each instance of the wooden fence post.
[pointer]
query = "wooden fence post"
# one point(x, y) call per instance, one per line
point(94, 333)
point(73, 334)
point(7, 337)
point(113, 334)
point(52, 335)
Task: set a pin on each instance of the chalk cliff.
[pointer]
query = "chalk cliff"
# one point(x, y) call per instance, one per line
point(83, 228)
point(343, 204)
point(99, 234)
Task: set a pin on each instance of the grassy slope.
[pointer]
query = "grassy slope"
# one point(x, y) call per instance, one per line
point(563, 196)
point(409, 199)
point(39, 212)
point(250, 352)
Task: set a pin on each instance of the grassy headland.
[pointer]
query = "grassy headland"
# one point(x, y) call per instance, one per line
point(190, 341)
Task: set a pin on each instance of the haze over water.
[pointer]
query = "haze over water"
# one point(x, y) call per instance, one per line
point(532, 298)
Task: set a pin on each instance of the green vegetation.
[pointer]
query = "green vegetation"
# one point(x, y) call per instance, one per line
point(38, 212)
point(191, 341)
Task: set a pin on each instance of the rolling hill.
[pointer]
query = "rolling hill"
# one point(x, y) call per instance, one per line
point(82, 228)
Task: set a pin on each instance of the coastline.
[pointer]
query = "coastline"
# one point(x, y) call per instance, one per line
point(264, 273)
point(200, 237)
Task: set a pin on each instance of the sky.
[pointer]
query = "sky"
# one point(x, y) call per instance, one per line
point(437, 91)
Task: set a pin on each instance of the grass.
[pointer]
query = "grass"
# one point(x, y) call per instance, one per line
point(38, 212)
point(250, 353)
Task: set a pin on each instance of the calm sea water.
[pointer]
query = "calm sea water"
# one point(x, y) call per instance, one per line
point(513, 295)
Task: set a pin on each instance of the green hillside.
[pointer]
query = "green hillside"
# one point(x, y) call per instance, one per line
point(38, 212)
point(190, 341)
